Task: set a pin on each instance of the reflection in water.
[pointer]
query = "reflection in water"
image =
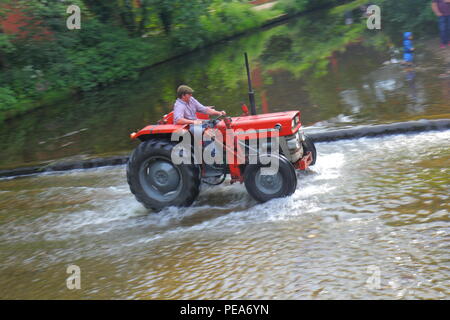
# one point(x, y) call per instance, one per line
point(350, 97)
point(380, 202)
point(416, 92)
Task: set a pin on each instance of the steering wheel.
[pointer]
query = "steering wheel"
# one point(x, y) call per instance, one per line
point(213, 122)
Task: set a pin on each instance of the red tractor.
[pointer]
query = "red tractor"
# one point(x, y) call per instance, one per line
point(158, 182)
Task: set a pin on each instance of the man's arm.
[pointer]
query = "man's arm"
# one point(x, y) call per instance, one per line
point(210, 111)
point(435, 8)
point(213, 112)
point(207, 110)
point(187, 121)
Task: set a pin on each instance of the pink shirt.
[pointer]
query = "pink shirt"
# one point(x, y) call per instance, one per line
point(185, 110)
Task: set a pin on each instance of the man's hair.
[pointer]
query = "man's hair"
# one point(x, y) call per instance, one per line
point(183, 90)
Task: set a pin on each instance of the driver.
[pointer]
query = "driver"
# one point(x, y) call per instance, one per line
point(186, 106)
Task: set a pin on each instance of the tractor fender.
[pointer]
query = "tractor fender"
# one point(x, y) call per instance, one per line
point(167, 136)
point(157, 130)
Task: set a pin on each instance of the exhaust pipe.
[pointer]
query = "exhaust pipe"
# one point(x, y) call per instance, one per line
point(251, 94)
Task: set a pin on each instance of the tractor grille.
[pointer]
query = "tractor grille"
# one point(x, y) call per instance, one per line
point(294, 144)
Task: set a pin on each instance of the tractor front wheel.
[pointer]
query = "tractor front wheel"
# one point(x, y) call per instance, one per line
point(264, 187)
point(158, 183)
point(308, 146)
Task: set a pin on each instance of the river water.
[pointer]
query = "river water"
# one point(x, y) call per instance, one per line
point(368, 206)
point(369, 220)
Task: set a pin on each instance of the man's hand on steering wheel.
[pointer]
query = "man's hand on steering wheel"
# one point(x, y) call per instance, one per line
point(213, 122)
point(221, 115)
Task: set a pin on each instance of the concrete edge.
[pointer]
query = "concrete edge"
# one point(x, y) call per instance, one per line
point(380, 130)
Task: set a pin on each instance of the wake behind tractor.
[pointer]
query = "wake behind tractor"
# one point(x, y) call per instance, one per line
point(157, 181)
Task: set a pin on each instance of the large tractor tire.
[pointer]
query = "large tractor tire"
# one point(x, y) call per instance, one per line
point(156, 182)
point(266, 187)
point(308, 146)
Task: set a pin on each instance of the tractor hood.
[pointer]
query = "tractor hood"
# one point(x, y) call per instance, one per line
point(269, 121)
point(289, 121)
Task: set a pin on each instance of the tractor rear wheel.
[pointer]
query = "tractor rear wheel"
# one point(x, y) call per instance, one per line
point(308, 146)
point(158, 183)
point(264, 187)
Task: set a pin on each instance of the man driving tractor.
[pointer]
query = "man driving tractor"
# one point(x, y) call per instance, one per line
point(186, 106)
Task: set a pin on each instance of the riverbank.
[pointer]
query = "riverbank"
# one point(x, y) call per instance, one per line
point(97, 68)
point(115, 60)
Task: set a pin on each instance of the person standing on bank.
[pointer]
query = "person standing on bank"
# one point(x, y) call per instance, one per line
point(441, 8)
point(186, 106)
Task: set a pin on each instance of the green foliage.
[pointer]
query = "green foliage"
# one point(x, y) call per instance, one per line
point(7, 98)
point(297, 51)
point(296, 6)
point(228, 19)
point(115, 56)
point(184, 26)
point(6, 46)
point(352, 5)
point(399, 16)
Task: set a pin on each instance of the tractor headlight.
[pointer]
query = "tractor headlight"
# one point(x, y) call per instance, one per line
point(295, 121)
